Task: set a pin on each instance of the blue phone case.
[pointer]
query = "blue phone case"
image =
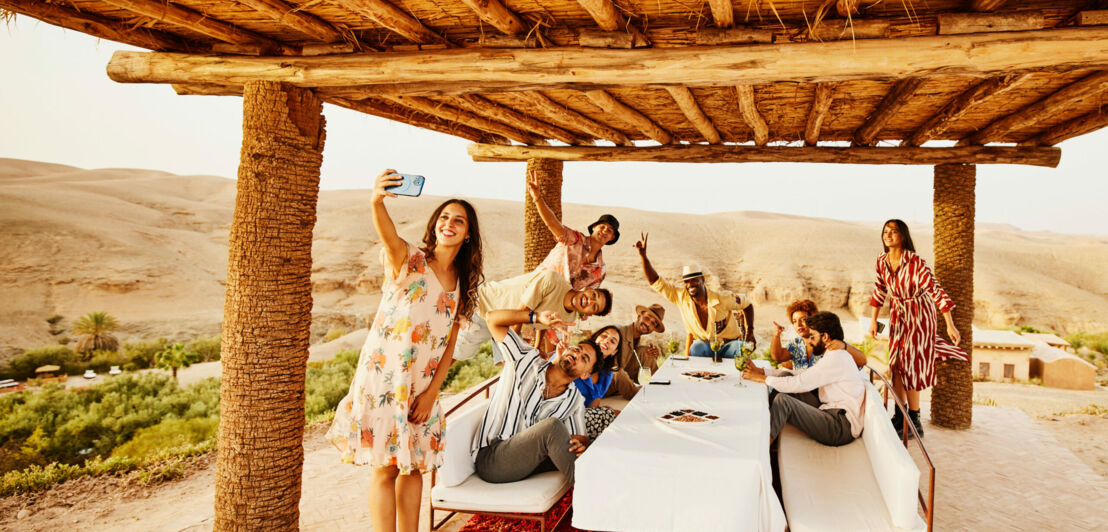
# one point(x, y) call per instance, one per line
point(411, 186)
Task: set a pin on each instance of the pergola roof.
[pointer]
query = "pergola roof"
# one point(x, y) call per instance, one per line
point(538, 72)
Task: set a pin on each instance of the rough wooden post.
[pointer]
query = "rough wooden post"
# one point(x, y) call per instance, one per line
point(268, 310)
point(952, 397)
point(537, 240)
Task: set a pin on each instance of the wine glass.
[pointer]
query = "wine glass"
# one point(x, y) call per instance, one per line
point(741, 360)
point(644, 379)
point(716, 344)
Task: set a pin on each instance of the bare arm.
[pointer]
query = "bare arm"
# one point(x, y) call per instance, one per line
point(780, 354)
point(647, 268)
point(548, 217)
point(500, 321)
point(421, 407)
point(395, 247)
point(688, 343)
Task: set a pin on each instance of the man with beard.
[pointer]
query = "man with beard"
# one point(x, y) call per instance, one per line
point(536, 418)
point(708, 315)
point(834, 417)
point(625, 378)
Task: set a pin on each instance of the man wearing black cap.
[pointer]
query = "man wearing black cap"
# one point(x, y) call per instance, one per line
point(576, 257)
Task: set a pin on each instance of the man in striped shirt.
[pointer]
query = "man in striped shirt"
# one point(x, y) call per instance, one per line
point(536, 418)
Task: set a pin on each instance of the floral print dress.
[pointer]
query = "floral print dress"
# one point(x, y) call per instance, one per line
point(398, 361)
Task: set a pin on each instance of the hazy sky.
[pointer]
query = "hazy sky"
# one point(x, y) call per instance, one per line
point(59, 106)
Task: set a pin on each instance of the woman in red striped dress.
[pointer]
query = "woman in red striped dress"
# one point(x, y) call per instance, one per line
point(914, 341)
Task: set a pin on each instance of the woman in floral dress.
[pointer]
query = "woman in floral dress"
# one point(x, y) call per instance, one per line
point(914, 341)
point(391, 419)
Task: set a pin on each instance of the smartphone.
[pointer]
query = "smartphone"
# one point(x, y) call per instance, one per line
point(412, 185)
point(660, 382)
point(880, 327)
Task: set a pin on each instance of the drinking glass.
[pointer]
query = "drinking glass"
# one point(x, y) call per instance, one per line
point(644, 379)
point(740, 364)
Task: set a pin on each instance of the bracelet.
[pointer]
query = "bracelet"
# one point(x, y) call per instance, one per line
point(531, 316)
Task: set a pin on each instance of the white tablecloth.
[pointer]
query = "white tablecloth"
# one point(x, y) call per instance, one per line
point(643, 474)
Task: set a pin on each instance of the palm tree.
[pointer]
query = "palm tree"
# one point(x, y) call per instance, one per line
point(954, 204)
point(268, 310)
point(175, 357)
point(96, 328)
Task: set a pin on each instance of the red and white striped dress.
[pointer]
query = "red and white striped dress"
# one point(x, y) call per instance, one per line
point(914, 341)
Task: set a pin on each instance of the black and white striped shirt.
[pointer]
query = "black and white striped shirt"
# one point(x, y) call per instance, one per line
point(517, 402)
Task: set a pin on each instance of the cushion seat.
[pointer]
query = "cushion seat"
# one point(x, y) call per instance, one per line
point(869, 484)
point(532, 495)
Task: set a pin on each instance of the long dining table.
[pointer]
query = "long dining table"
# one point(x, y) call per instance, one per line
point(646, 473)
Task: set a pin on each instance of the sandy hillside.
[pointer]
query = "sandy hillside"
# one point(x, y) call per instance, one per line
point(150, 248)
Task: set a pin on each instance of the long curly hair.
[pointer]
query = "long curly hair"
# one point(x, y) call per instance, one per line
point(606, 362)
point(469, 262)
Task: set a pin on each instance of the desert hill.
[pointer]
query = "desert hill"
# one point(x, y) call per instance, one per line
point(150, 248)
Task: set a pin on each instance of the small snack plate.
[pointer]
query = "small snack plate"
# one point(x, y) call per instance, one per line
point(704, 376)
point(688, 416)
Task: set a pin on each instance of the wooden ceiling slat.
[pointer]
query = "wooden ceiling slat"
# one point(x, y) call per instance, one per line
point(723, 153)
point(630, 115)
point(1079, 126)
point(393, 18)
point(199, 22)
point(959, 23)
point(687, 102)
point(495, 13)
point(723, 13)
point(466, 118)
point(296, 19)
point(605, 14)
point(986, 5)
point(405, 115)
point(101, 27)
point(956, 108)
point(1092, 18)
point(569, 117)
point(507, 115)
point(897, 97)
point(820, 105)
point(748, 108)
point(1088, 86)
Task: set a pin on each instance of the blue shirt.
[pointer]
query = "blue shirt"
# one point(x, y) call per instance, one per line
point(592, 391)
point(799, 351)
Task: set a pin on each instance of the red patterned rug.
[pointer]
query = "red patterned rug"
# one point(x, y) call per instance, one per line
point(488, 523)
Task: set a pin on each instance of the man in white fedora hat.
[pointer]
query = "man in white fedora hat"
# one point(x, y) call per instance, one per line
point(708, 315)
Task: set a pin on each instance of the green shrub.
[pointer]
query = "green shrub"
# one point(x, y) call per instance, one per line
point(142, 354)
point(206, 348)
point(467, 373)
point(23, 366)
point(1095, 341)
point(171, 433)
point(96, 330)
point(334, 334)
point(175, 357)
point(327, 383)
point(102, 361)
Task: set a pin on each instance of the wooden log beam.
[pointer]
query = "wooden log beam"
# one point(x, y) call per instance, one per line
point(632, 116)
point(101, 27)
point(986, 5)
point(494, 13)
point(821, 103)
point(749, 111)
point(466, 118)
point(296, 19)
point(1092, 18)
point(846, 8)
point(198, 22)
point(1059, 101)
point(605, 14)
point(407, 116)
point(957, 108)
point(1067, 130)
point(717, 36)
point(726, 153)
point(978, 55)
point(723, 13)
point(393, 18)
point(573, 119)
point(482, 106)
point(897, 97)
point(597, 38)
point(959, 23)
point(849, 29)
point(687, 102)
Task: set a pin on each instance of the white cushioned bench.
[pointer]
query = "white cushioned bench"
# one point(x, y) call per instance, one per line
point(870, 484)
point(458, 488)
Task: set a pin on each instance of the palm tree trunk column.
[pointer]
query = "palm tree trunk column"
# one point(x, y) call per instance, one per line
point(537, 240)
point(268, 310)
point(952, 396)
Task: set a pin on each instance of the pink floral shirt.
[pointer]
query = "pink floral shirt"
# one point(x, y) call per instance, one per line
point(569, 258)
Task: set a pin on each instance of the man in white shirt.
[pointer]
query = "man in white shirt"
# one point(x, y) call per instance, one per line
point(537, 291)
point(536, 417)
point(834, 417)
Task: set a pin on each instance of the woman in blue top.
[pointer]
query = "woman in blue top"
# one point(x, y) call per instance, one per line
point(596, 385)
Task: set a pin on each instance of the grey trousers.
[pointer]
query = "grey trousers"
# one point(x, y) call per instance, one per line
point(541, 447)
point(829, 427)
